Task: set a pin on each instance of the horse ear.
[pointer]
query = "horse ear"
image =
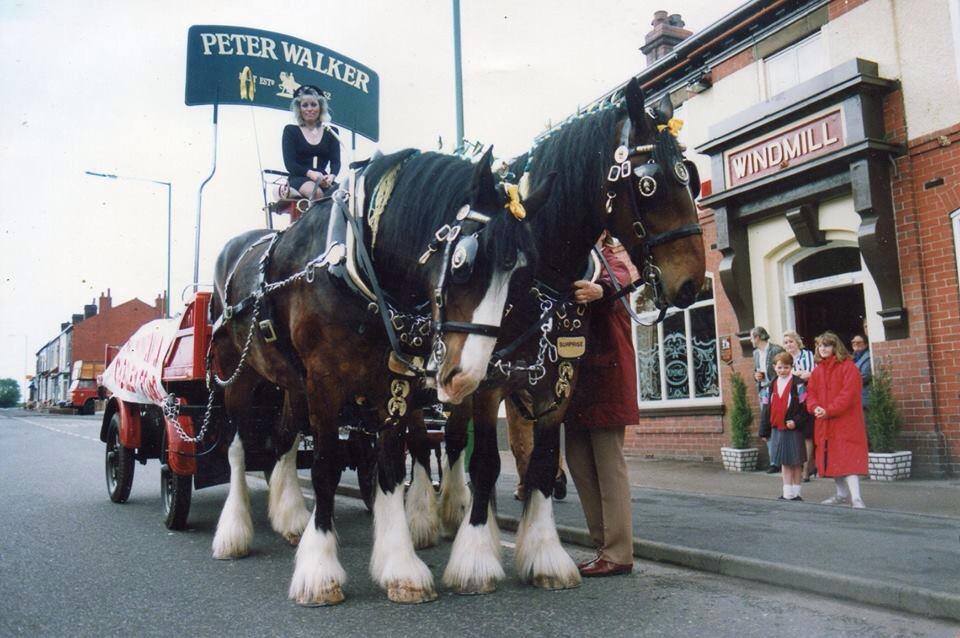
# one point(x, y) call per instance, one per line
point(484, 192)
point(539, 197)
point(633, 94)
point(664, 109)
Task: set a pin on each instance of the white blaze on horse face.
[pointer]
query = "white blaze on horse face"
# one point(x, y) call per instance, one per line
point(477, 349)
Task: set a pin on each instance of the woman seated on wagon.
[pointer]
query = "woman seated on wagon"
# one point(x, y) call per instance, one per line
point(311, 148)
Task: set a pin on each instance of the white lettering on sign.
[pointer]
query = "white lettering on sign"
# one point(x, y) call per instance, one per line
point(262, 47)
point(798, 144)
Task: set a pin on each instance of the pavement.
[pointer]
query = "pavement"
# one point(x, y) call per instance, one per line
point(902, 552)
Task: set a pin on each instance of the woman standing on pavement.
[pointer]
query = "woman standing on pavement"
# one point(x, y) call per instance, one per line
point(833, 397)
point(603, 404)
point(803, 365)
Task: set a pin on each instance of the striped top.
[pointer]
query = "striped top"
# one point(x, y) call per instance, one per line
point(804, 362)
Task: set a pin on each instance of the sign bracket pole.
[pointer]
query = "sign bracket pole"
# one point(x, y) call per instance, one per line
point(213, 169)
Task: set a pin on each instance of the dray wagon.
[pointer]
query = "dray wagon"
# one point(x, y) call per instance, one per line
point(160, 407)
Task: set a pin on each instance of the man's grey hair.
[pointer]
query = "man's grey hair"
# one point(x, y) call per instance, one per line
point(760, 333)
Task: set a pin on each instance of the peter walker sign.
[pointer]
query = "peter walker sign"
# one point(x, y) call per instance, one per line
point(800, 142)
point(236, 65)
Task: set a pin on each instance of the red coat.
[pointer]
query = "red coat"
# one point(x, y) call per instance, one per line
point(605, 395)
point(841, 436)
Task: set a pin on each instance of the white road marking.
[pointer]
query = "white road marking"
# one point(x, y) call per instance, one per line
point(47, 427)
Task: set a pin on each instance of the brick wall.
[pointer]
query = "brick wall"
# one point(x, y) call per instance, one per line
point(837, 8)
point(113, 325)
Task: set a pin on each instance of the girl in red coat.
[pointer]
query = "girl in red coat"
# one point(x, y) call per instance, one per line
point(840, 432)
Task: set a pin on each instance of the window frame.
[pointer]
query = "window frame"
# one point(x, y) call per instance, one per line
point(791, 50)
point(678, 404)
point(955, 222)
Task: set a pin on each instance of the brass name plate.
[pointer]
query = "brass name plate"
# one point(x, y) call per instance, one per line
point(571, 347)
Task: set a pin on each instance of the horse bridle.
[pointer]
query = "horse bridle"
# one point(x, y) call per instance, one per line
point(459, 256)
point(646, 185)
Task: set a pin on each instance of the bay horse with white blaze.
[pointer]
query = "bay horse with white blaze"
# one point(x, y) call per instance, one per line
point(329, 348)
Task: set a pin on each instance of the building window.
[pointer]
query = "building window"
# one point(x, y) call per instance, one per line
point(677, 358)
point(795, 64)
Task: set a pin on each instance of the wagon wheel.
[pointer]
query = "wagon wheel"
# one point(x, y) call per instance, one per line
point(175, 491)
point(118, 464)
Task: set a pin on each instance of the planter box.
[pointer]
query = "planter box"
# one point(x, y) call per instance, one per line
point(735, 460)
point(894, 466)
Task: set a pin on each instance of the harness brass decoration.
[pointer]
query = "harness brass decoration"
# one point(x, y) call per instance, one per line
point(266, 329)
point(399, 388)
point(571, 347)
point(562, 388)
point(396, 407)
point(565, 371)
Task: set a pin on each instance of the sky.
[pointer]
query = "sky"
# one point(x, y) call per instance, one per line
point(99, 86)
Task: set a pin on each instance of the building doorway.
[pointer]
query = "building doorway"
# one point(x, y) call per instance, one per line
point(840, 310)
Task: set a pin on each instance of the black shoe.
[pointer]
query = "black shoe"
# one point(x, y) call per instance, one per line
point(781, 498)
point(806, 480)
point(773, 469)
point(560, 486)
point(795, 498)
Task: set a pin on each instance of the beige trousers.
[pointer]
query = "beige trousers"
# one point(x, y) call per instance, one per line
point(520, 439)
point(599, 471)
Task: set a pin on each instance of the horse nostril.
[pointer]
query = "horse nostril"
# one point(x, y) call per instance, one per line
point(686, 295)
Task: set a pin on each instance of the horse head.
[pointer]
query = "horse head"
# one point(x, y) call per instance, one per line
point(651, 190)
point(494, 242)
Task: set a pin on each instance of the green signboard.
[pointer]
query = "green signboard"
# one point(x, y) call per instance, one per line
point(236, 65)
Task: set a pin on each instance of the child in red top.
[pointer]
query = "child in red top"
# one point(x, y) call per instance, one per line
point(786, 417)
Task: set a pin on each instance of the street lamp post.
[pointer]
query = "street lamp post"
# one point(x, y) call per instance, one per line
point(166, 310)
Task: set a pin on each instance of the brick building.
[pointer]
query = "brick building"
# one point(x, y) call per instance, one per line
point(84, 338)
point(827, 134)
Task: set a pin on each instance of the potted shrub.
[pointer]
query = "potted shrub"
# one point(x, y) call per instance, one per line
point(886, 463)
point(740, 457)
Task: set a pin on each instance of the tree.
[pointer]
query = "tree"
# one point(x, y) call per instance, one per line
point(883, 417)
point(9, 393)
point(741, 416)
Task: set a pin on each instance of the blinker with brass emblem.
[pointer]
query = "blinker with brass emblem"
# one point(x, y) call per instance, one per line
point(647, 186)
point(680, 170)
point(459, 257)
point(621, 154)
point(571, 347)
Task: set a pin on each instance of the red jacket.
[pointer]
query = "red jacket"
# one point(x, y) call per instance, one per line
point(841, 436)
point(605, 395)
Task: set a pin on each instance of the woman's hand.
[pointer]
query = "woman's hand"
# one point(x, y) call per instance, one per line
point(803, 374)
point(586, 291)
point(325, 181)
point(791, 425)
point(314, 176)
point(819, 412)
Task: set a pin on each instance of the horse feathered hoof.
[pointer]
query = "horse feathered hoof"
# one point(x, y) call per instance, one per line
point(330, 595)
point(406, 593)
point(293, 539)
point(476, 588)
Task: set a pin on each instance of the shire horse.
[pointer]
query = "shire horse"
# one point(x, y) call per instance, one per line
point(618, 168)
point(331, 350)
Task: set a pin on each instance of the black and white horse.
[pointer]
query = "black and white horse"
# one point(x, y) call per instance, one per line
point(618, 168)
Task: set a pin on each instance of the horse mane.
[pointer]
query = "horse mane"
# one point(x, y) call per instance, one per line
point(580, 152)
point(430, 189)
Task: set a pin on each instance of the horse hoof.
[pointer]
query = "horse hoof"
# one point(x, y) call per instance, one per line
point(230, 553)
point(556, 583)
point(332, 595)
point(407, 594)
point(293, 539)
point(477, 589)
point(425, 543)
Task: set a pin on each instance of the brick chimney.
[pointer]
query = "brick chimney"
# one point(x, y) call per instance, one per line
point(90, 310)
point(106, 301)
point(63, 326)
point(158, 304)
point(667, 32)
point(77, 318)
